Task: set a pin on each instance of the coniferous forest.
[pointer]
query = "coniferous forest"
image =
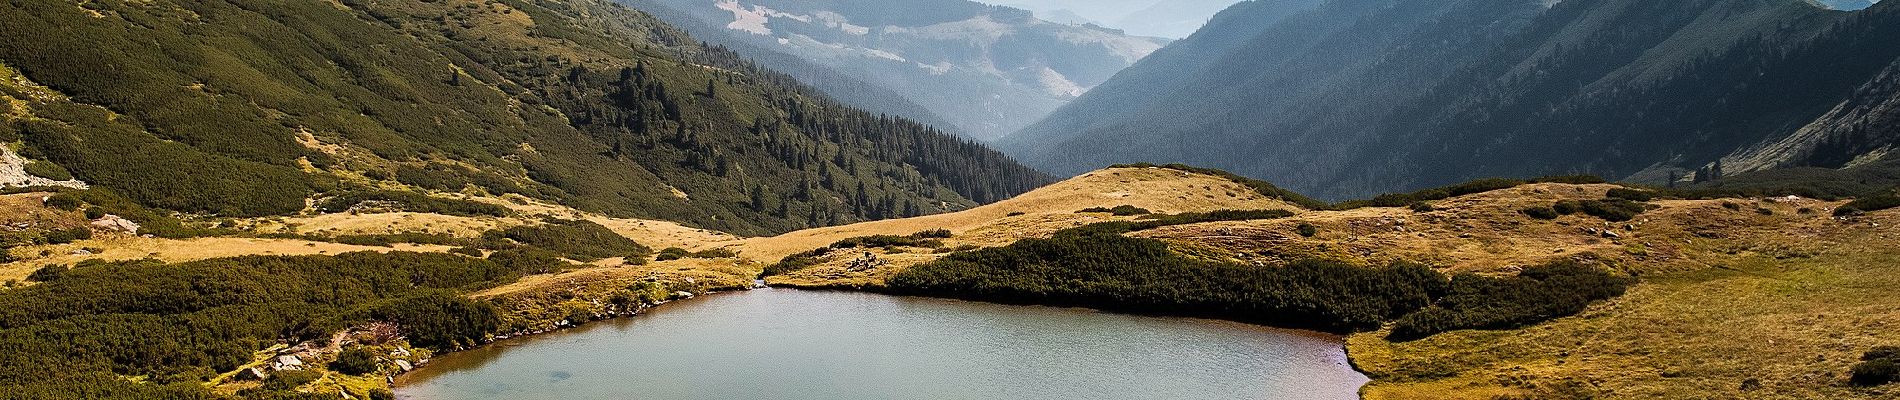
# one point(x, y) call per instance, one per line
point(246, 108)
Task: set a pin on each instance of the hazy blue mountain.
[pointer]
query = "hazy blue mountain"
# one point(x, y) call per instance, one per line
point(1160, 18)
point(1357, 97)
point(986, 70)
point(1848, 5)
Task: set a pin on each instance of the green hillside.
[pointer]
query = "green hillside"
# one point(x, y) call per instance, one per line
point(252, 107)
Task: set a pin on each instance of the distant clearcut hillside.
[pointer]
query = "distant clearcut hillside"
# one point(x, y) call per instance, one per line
point(1358, 97)
point(249, 107)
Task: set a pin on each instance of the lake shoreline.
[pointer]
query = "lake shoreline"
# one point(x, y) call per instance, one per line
point(1335, 343)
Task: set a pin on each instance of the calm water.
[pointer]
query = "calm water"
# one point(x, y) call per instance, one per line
point(789, 344)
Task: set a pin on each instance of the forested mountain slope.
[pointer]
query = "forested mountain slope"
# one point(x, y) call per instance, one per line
point(988, 70)
point(1357, 97)
point(254, 107)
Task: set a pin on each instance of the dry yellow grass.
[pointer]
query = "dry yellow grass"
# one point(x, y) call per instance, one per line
point(1774, 292)
point(1038, 213)
point(124, 247)
point(339, 224)
point(1778, 311)
point(1043, 210)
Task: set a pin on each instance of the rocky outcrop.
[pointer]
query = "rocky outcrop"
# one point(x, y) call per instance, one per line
point(13, 173)
point(114, 223)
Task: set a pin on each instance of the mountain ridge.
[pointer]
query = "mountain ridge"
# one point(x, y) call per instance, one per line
point(1292, 104)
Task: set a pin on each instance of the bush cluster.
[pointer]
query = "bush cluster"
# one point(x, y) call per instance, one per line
point(1537, 294)
point(1609, 209)
point(354, 361)
point(1867, 204)
point(579, 240)
point(675, 253)
point(1878, 366)
point(408, 201)
point(1121, 210)
point(175, 322)
point(1613, 210)
point(925, 239)
point(1097, 266)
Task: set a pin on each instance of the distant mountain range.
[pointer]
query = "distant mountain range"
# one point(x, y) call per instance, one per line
point(1848, 5)
point(1160, 18)
point(1358, 97)
point(985, 70)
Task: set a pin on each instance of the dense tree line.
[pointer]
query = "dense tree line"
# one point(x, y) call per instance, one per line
point(177, 324)
point(1096, 266)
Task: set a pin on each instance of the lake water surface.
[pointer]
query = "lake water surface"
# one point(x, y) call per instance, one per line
point(791, 344)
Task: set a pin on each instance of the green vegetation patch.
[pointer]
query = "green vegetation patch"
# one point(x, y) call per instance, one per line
point(1096, 266)
point(675, 253)
point(1878, 366)
point(1211, 216)
point(48, 170)
point(391, 200)
point(1537, 294)
point(1121, 210)
point(77, 335)
point(1868, 204)
point(579, 240)
point(808, 259)
point(1103, 269)
point(1613, 210)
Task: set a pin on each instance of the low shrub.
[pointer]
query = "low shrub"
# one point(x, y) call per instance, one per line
point(1121, 210)
point(1307, 230)
point(1535, 295)
point(1631, 194)
point(1095, 266)
point(579, 240)
point(1211, 216)
point(408, 201)
point(795, 262)
point(48, 273)
point(933, 234)
point(354, 361)
point(69, 235)
point(1868, 204)
point(675, 253)
point(48, 170)
point(670, 254)
point(1540, 212)
point(1878, 366)
point(1613, 210)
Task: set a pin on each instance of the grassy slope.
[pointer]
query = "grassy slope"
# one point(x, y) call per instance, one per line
point(255, 105)
point(1728, 294)
point(1791, 310)
point(1043, 212)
